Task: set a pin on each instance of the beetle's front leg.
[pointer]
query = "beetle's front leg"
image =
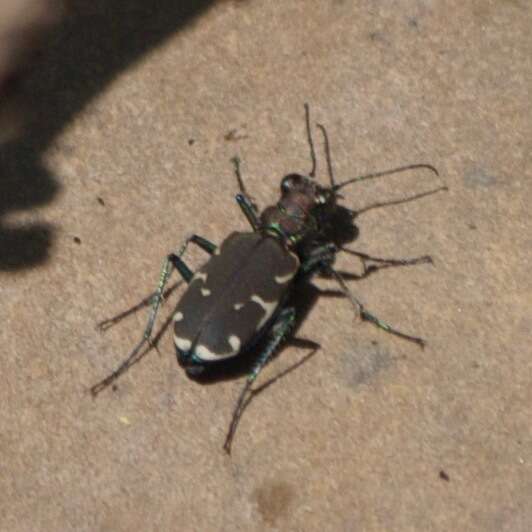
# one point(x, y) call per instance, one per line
point(244, 200)
point(278, 332)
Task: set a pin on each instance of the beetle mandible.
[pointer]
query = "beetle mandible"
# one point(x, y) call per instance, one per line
point(241, 294)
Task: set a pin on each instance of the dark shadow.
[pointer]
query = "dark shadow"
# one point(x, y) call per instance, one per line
point(96, 41)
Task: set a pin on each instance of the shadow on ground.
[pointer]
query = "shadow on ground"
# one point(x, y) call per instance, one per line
point(95, 42)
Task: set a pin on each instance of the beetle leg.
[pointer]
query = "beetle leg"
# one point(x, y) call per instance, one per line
point(367, 316)
point(146, 302)
point(146, 336)
point(172, 261)
point(308, 343)
point(244, 200)
point(385, 263)
point(280, 328)
point(179, 263)
point(201, 242)
point(246, 205)
point(318, 257)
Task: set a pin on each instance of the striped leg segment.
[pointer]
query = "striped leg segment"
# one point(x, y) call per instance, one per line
point(279, 331)
point(172, 261)
point(244, 200)
point(365, 315)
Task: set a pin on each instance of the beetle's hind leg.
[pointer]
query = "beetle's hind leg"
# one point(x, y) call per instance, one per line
point(279, 330)
point(172, 261)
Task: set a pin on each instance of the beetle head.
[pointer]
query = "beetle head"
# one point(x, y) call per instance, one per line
point(298, 211)
point(305, 190)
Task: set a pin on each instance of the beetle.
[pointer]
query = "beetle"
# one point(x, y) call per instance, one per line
point(240, 298)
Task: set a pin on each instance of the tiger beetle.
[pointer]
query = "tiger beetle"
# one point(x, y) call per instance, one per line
point(240, 298)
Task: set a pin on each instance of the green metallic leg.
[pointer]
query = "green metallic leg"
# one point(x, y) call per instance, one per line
point(319, 257)
point(385, 263)
point(392, 262)
point(180, 265)
point(201, 242)
point(279, 330)
point(314, 347)
point(146, 337)
point(365, 315)
point(244, 200)
point(173, 260)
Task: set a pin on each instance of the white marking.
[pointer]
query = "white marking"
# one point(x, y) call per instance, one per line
point(268, 309)
point(238, 306)
point(296, 260)
point(235, 343)
point(202, 276)
point(204, 353)
point(178, 316)
point(182, 343)
point(281, 279)
point(217, 251)
point(205, 292)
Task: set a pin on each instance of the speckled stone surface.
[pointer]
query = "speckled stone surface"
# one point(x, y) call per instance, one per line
point(136, 113)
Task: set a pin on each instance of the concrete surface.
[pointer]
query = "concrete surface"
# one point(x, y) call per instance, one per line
point(130, 147)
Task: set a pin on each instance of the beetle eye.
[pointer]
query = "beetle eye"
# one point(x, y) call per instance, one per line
point(289, 182)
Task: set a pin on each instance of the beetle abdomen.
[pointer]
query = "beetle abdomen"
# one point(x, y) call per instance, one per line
point(233, 296)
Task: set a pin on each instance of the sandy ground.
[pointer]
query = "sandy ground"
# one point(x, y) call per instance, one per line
point(136, 113)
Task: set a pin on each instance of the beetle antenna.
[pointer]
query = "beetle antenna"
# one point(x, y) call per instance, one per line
point(312, 172)
point(390, 203)
point(327, 154)
point(385, 172)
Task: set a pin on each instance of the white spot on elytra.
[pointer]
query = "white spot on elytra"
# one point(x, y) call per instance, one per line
point(238, 306)
point(217, 251)
point(235, 343)
point(281, 279)
point(178, 316)
point(205, 292)
point(205, 353)
point(268, 309)
point(182, 343)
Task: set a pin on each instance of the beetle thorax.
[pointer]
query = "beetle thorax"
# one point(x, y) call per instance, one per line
point(291, 218)
point(295, 215)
